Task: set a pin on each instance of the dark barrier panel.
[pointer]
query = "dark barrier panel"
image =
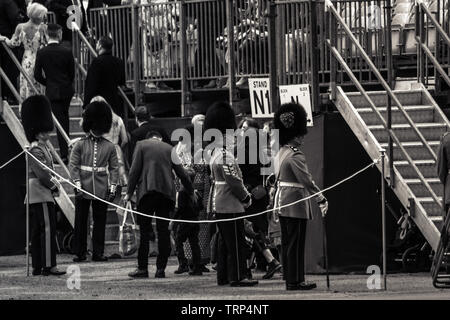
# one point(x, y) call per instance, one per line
point(12, 195)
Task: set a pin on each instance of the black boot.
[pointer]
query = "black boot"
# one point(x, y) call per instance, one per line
point(273, 267)
point(182, 268)
point(139, 273)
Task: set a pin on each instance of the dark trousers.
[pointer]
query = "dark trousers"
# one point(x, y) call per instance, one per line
point(60, 109)
point(99, 209)
point(186, 231)
point(43, 233)
point(154, 203)
point(293, 232)
point(11, 71)
point(231, 263)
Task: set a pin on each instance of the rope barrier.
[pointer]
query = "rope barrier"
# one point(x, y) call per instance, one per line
point(203, 221)
point(11, 160)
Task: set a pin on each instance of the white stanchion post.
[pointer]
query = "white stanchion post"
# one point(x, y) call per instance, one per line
point(27, 246)
point(383, 215)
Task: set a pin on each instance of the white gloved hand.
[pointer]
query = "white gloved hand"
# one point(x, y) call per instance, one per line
point(324, 208)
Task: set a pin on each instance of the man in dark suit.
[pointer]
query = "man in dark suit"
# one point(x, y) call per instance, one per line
point(104, 76)
point(144, 127)
point(55, 69)
point(9, 18)
point(443, 169)
point(151, 174)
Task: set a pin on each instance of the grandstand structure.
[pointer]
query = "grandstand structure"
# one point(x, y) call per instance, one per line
point(383, 64)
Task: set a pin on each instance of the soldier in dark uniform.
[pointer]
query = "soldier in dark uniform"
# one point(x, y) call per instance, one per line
point(294, 182)
point(228, 199)
point(38, 124)
point(92, 158)
point(443, 167)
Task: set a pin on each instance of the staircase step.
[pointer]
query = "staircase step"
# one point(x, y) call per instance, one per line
point(415, 149)
point(421, 191)
point(75, 124)
point(404, 132)
point(73, 135)
point(379, 98)
point(431, 207)
point(426, 167)
point(438, 221)
point(419, 114)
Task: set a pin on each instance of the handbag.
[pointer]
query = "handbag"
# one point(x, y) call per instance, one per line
point(127, 234)
point(259, 192)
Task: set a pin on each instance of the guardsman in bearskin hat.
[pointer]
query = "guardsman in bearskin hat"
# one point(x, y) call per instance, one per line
point(94, 168)
point(294, 182)
point(443, 168)
point(228, 198)
point(43, 187)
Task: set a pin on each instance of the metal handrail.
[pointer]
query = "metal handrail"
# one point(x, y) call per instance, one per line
point(22, 71)
point(380, 78)
point(19, 99)
point(391, 132)
point(95, 55)
point(425, 49)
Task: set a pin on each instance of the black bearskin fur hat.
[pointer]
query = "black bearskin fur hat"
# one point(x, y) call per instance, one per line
point(97, 117)
point(36, 116)
point(290, 120)
point(220, 116)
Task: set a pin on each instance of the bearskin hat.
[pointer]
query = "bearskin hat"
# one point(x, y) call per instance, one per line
point(220, 116)
point(290, 120)
point(36, 116)
point(97, 117)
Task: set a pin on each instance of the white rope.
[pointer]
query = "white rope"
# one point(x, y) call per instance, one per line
point(11, 160)
point(204, 221)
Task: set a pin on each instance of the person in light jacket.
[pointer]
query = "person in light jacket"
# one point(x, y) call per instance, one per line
point(294, 182)
point(38, 124)
point(228, 199)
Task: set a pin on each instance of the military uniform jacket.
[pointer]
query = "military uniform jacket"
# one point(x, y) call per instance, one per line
point(94, 163)
point(227, 191)
point(443, 166)
point(294, 183)
point(40, 179)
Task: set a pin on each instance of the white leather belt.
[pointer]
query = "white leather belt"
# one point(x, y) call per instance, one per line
point(220, 182)
point(290, 184)
point(93, 169)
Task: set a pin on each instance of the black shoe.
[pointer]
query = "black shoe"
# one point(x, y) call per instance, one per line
point(244, 283)
point(37, 272)
point(182, 269)
point(79, 258)
point(197, 271)
point(274, 266)
point(101, 258)
point(204, 269)
point(138, 273)
point(52, 272)
point(160, 273)
point(301, 286)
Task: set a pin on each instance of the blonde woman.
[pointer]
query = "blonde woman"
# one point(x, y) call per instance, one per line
point(32, 35)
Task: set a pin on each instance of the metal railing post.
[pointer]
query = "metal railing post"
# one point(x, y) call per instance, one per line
point(137, 48)
point(274, 95)
point(438, 53)
point(185, 96)
point(315, 54)
point(231, 63)
point(333, 62)
point(390, 67)
point(383, 215)
point(27, 208)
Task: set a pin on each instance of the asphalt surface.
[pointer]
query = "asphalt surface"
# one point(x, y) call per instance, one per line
point(109, 280)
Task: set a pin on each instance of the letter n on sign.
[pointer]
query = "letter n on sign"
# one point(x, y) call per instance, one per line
point(260, 97)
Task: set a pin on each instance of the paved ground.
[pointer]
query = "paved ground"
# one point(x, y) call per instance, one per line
point(110, 281)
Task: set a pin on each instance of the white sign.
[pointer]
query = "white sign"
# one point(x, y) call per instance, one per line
point(298, 93)
point(260, 97)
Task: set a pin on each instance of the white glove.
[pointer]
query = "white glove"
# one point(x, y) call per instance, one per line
point(324, 208)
